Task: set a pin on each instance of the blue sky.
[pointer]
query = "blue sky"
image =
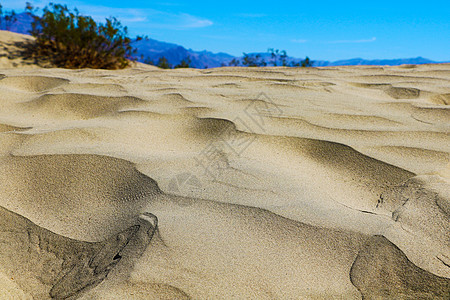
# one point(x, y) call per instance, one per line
point(323, 30)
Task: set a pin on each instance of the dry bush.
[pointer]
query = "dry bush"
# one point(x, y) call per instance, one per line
point(70, 40)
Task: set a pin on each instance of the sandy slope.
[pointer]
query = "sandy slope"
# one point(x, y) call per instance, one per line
point(229, 183)
point(11, 44)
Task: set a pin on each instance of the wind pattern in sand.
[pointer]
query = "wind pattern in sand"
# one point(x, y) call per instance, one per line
point(229, 183)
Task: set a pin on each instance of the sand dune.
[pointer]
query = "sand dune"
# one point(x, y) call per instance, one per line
point(32, 83)
point(228, 183)
point(44, 265)
point(382, 271)
point(78, 106)
point(74, 193)
point(11, 45)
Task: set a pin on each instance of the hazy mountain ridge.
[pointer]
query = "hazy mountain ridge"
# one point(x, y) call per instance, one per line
point(383, 62)
point(152, 50)
point(21, 25)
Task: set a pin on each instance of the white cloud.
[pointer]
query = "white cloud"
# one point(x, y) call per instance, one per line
point(353, 41)
point(149, 18)
point(190, 21)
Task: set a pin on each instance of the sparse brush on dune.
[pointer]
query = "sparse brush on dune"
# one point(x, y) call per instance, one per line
point(71, 40)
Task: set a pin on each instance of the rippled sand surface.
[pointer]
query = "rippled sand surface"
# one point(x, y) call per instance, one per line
point(228, 183)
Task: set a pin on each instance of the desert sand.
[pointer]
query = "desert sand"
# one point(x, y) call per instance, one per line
point(227, 183)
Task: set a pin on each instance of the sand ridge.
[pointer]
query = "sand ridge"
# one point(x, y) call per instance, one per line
point(227, 183)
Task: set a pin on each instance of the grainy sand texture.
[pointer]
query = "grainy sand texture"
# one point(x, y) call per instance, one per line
point(227, 183)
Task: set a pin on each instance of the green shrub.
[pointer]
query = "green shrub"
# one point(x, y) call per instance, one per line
point(234, 62)
point(71, 40)
point(252, 60)
point(163, 63)
point(280, 58)
point(307, 62)
point(185, 63)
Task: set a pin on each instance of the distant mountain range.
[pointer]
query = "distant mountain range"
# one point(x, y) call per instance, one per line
point(21, 25)
point(174, 53)
point(380, 62)
point(151, 50)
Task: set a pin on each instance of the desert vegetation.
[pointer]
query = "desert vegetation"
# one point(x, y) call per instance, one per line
point(276, 58)
point(68, 39)
point(185, 63)
point(163, 63)
point(71, 40)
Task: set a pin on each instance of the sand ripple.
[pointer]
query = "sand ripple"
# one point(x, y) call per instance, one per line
point(229, 183)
